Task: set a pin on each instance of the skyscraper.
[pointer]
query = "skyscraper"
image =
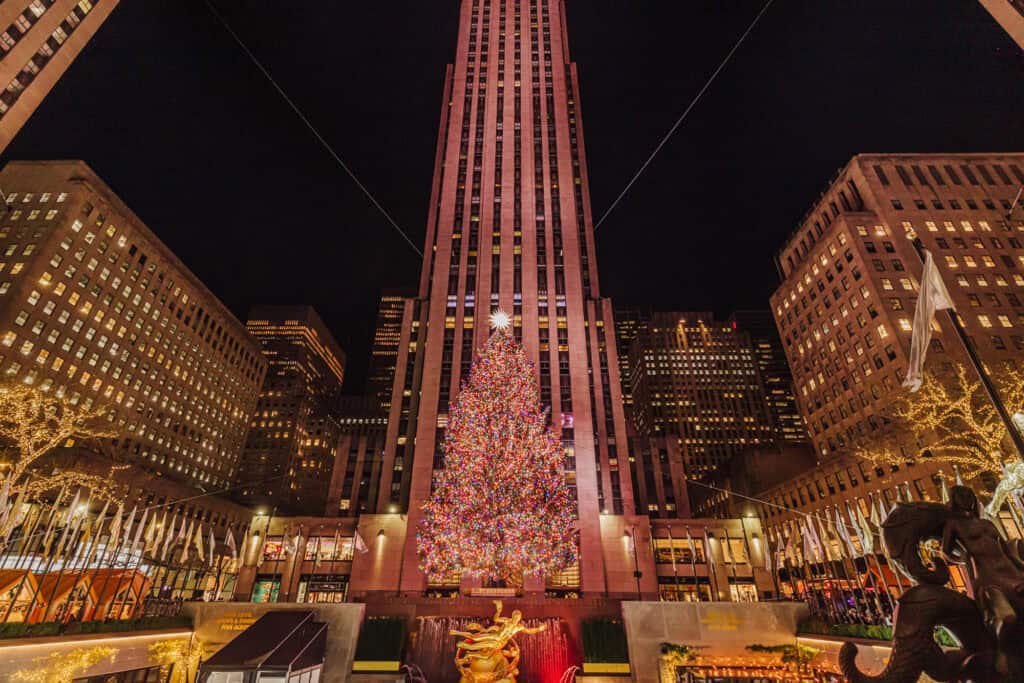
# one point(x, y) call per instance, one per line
point(1010, 15)
point(387, 334)
point(294, 434)
point(510, 228)
point(40, 41)
point(94, 307)
point(697, 379)
point(775, 373)
point(850, 279)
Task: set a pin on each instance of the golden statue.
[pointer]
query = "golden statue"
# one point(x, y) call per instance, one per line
point(490, 655)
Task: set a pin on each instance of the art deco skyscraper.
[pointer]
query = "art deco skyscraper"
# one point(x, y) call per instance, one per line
point(386, 337)
point(294, 434)
point(510, 227)
point(39, 39)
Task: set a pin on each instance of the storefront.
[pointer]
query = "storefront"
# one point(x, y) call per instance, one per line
point(323, 588)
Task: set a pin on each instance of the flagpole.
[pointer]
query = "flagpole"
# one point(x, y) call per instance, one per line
point(49, 565)
point(979, 368)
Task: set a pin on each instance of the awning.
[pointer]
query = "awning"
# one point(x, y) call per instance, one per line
point(285, 641)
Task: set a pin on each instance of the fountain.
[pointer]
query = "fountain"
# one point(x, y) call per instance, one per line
point(545, 655)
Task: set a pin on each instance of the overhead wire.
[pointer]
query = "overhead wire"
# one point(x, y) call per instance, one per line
point(685, 113)
point(309, 124)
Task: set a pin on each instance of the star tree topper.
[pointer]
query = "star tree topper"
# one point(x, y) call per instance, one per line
point(500, 320)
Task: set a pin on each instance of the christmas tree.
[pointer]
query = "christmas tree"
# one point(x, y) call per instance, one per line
point(501, 507)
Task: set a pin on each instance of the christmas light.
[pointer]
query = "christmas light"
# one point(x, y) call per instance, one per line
point(64, 668)
point(180, 657)
point(34, 423)
point(501, 506)
point(951, 415)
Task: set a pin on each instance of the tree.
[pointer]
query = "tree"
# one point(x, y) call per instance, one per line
point(951, 419)
point(180, 658)
point(501, 506)
point(32, 424)
point(64, 667)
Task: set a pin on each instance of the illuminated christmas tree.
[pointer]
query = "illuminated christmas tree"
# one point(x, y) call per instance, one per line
point(501, 507)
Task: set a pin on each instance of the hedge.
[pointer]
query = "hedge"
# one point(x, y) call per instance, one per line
point(604, 642)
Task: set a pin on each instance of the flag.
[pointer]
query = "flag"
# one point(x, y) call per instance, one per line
point(213, 545)
point(188, 539)
point(168, 538)
point(199, 542)
point(67, 524)
point(316, 553)
point(944, 489)
point(767, 553)
point(690, 546)
point(229, 541)
point(844, 534)
point(865, 535)
point(826, 540)
point(116, 524)
point(138, 536)
point(149, 537)
point(709, 553)
point(98, 533)
point(811, 535)
point(336, 554)
point(360, 543)
point(932, 297)
point(789, 552)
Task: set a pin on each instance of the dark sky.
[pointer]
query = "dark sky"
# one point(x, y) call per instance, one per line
point(173, 115)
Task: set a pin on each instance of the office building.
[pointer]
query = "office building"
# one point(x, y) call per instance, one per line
point(294, 433)
point(510, 228)
point(850, 278)
point(697, 379)
point(41, 40)
point(387, 334)
point(775, 375)
point(1010, 15)
point(95, 308)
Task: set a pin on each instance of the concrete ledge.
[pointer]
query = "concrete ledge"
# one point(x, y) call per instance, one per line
point(717, 628)
point(82, 637)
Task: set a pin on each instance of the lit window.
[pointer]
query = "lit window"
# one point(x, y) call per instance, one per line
point(905, 324)
point(985, 321)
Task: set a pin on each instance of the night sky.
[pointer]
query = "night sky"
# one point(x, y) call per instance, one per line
point(171, 113)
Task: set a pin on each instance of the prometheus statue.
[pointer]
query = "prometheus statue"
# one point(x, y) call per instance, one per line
point(490, 655)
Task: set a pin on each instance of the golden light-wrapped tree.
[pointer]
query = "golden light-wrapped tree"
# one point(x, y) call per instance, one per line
point(33, 423)
point(951, 419)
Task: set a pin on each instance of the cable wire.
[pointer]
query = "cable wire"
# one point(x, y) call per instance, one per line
point(685, 113)
point(309, 124)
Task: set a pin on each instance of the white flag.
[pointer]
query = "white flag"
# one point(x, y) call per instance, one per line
point(229, 541)
point(360, 543)
point(932, 297)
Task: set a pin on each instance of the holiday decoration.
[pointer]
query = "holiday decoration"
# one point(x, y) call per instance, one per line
point(179, 657)
point(64, 667)
point(33, 423)
point(501, 506)
point(490, 655)
point(953, 416)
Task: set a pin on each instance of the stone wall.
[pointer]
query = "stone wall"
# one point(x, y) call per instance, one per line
point(217, 623)
point(719, 628)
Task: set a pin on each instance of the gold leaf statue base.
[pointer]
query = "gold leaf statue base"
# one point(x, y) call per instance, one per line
point(490, 655)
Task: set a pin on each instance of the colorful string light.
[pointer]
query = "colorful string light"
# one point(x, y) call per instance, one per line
point(501, 506)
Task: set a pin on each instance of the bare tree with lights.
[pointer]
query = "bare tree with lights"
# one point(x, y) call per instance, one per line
point(954, 418)
point(34, 423)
